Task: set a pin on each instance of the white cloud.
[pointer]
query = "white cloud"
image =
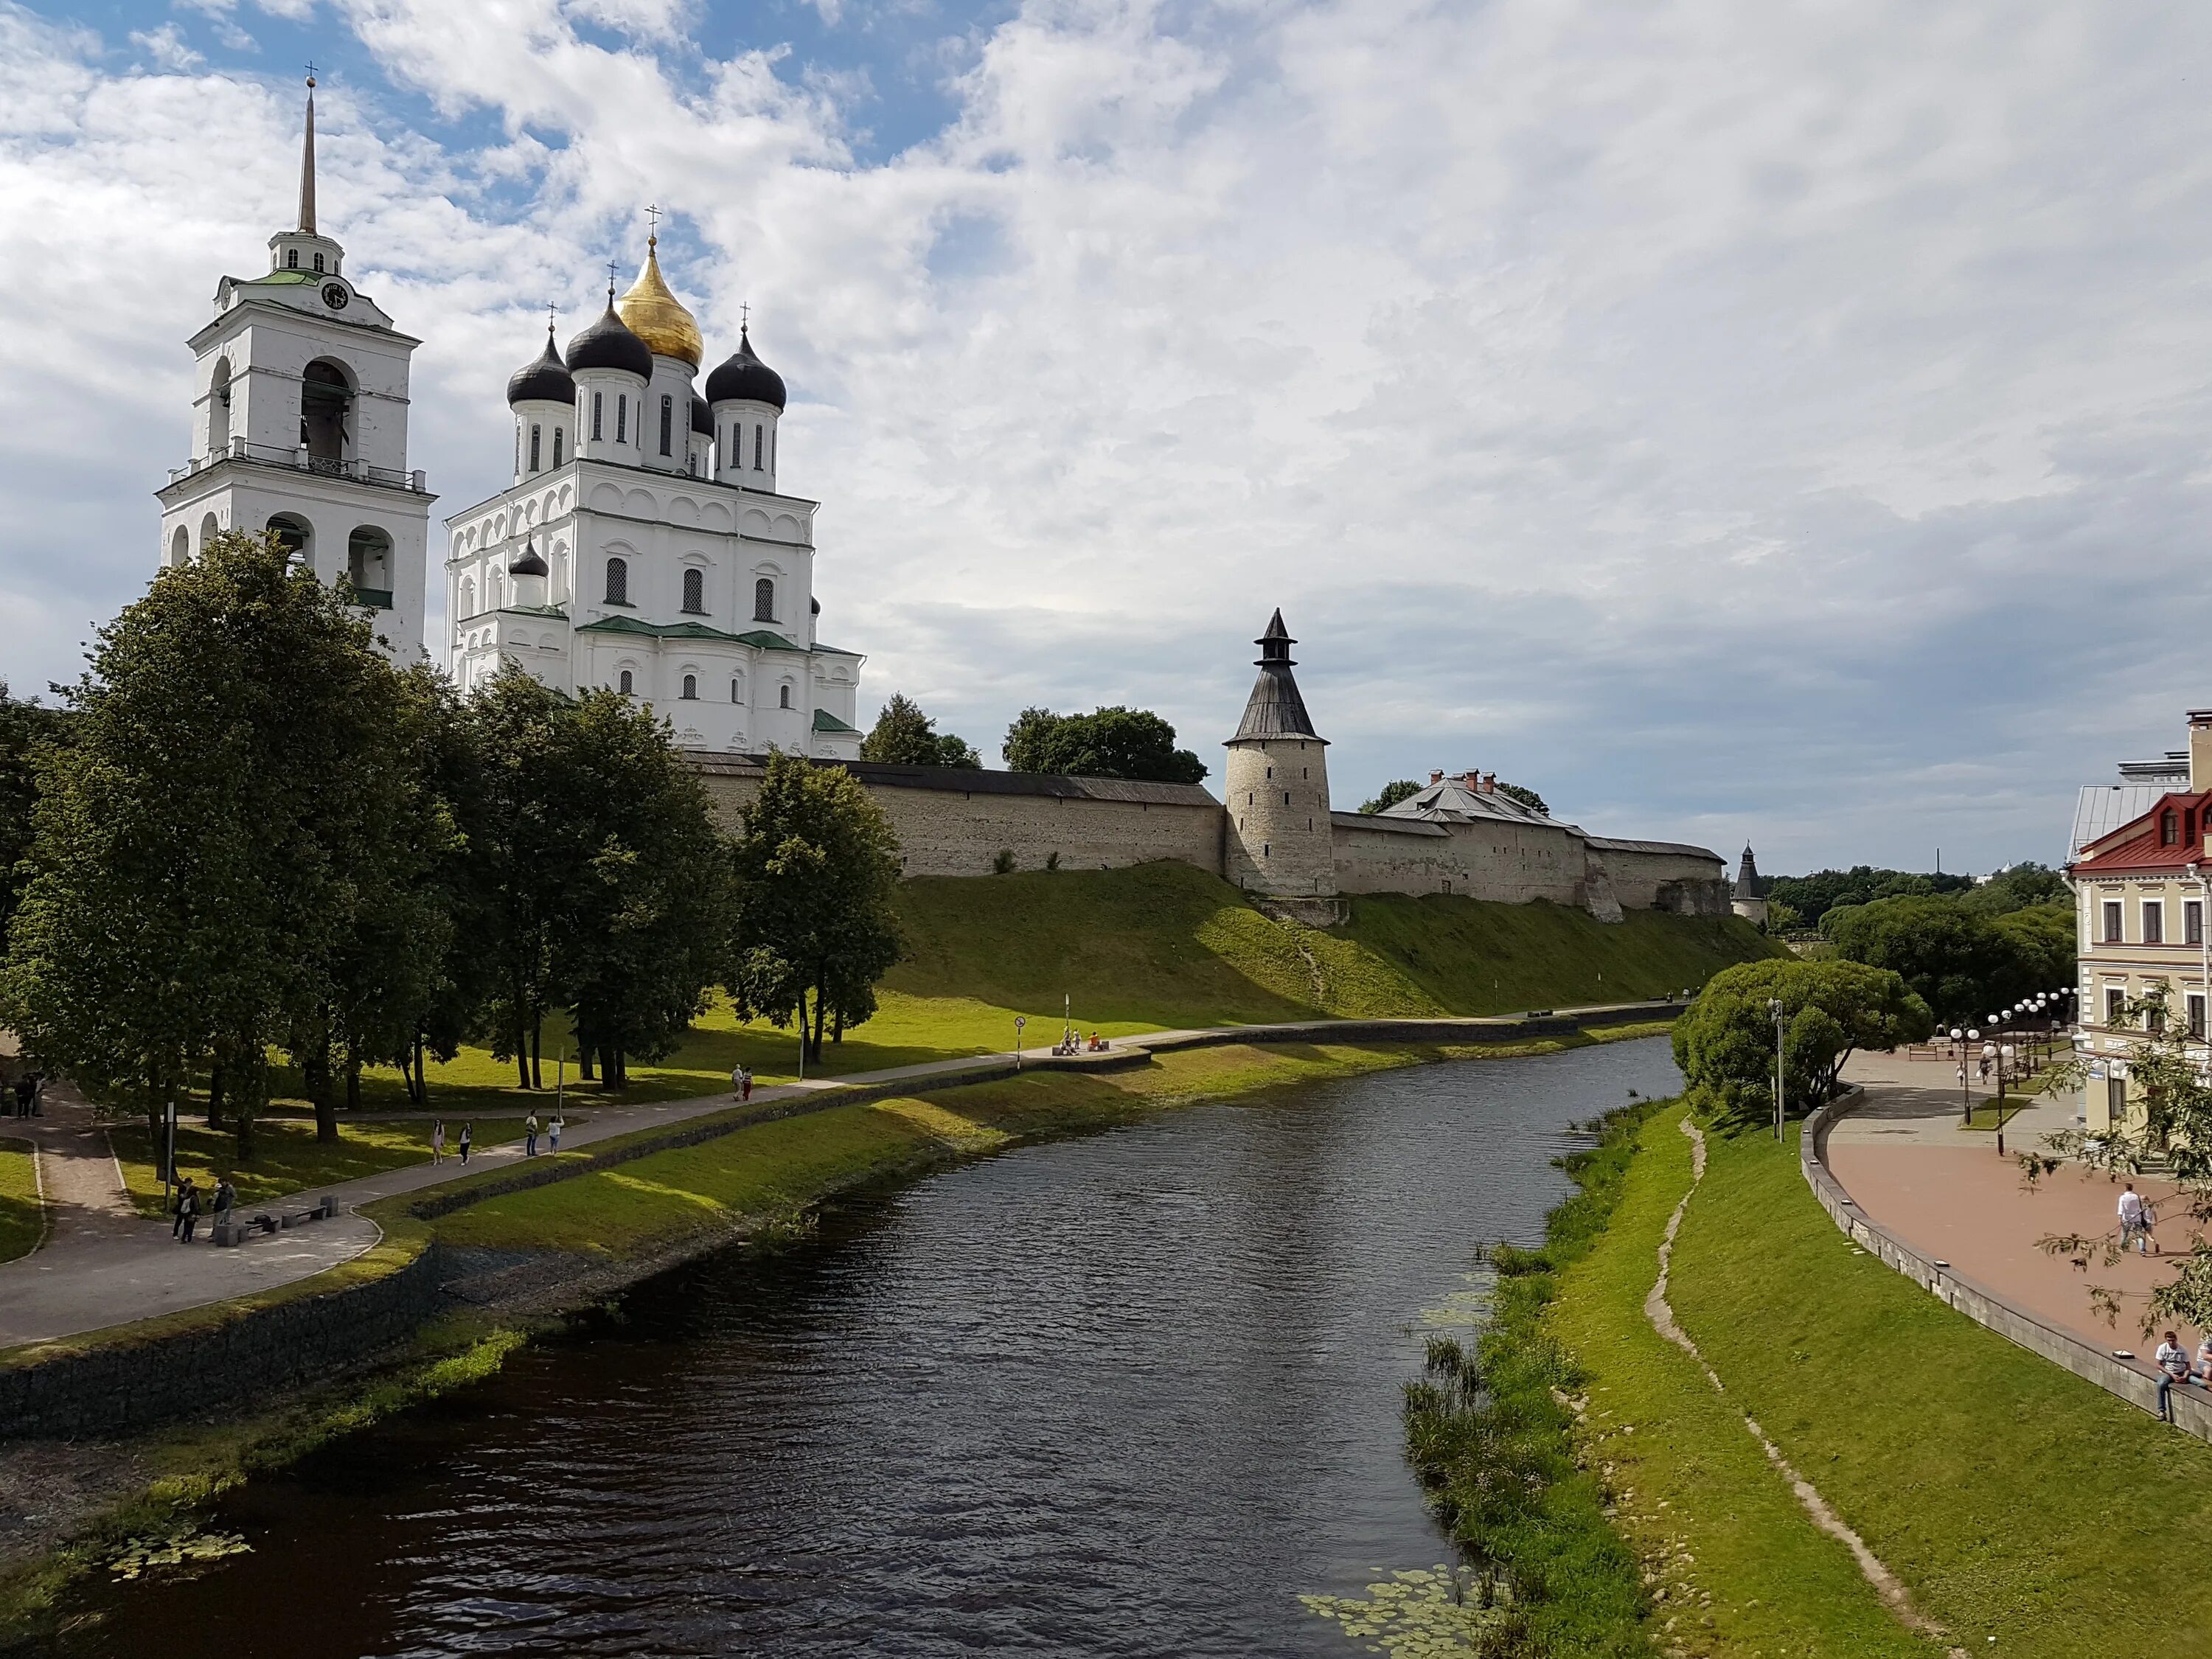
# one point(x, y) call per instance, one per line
point(1714, 415)
point(165, 46)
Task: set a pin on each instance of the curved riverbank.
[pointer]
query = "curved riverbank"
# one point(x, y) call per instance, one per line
point(527, 1263)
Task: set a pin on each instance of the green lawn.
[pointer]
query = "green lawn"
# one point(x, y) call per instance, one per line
point(1694, 1493)
point(2017, 1501)
point(22, 1224)
point(1160, 946)
point(774, 1171)
point(287, 1158)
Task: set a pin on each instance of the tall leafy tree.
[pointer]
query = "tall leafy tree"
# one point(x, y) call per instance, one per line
point(1389, 795)
point(644, 933)
point(26, 727)
point(815, 870)
point(903, 735)
point(1962, 964)
point(214, 840)
point(1107, 743)
point(1725, 1044)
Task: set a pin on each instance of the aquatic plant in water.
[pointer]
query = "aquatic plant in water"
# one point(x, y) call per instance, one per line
point(179, 1545)
point(1417, 1613)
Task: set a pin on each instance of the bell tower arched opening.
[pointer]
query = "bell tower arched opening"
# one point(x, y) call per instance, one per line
point(326, 415)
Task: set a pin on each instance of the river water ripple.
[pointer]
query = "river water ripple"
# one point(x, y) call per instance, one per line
point(1129, 1393)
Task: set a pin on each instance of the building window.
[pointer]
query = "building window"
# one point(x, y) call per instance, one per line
point(536, 438)
point(736, 690)
point(667, 422)
point(2197, 1015)
point(2113, 934)
point(764, 600)
point(556, 446)
point(2154, 921)
point(291, 259)
point(2192, 922)
point(625, 684)
point(2115, 998)
point(760, 436)
point(1265, 850)
point(690, 688)
point(695, 592)
point(622, 417)
point(598, 407)
point(2169, 829)
point(617, 581)
point(783, 696)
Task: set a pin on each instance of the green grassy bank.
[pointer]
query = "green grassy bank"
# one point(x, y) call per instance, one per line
point(2016, 1501)
point(22, 1219)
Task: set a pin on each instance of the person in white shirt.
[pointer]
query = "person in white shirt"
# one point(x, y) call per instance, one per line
point(2172, 1367)
point(2204, 1360)
point(2131, 1220)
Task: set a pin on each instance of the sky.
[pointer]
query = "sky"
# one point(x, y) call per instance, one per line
point(1735, 422)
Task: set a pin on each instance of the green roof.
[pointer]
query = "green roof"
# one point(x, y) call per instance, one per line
point(826, 721)
point(689, 630)
point(282, 278)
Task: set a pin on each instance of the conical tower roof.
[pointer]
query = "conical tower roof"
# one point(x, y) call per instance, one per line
point(1275, 710)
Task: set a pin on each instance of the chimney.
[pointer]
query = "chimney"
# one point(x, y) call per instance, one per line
point(1473, 782)
point(2200, 749)
point(1490, 783)
point(1436, 776)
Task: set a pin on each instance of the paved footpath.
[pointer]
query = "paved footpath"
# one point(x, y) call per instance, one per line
point(1908, 1165)
point(103, 1264)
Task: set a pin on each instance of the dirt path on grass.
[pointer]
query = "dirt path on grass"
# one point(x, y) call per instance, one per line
point(1887, 1584)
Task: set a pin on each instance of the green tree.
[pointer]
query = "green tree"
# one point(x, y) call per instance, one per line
point(26, 727)
point(2022, 887)
point(1724, 1044)
point(2163, 1075)
point(1389, 795)
point(1824, 891)
point(644, 934)
point(1109, 743)
point(1528, 797)
point(197, 870)
point(815, 871)
point(1963, 964)
point(1781, 918)
point(904, 736)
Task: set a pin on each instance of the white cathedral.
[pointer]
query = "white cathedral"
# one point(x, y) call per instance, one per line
point(643, 546)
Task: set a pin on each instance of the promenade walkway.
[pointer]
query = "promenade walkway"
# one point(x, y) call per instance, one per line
point(1904, 1158)
point(103, 1264)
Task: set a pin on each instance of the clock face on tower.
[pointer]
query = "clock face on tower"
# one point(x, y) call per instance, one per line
point(335, 295)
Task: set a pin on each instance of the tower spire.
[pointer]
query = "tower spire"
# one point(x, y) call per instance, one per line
point(307, 162)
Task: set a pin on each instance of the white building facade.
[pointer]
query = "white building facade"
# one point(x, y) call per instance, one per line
point(644, 546)
point(300, 428)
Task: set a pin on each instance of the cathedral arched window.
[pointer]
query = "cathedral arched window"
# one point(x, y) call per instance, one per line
point(695, 592)
point(690, 688)
point(738, 690)
point(622, 417)
point(325, 414)
point(625, 684)
point(759, 437)
point(598, 408)
point(667, 422)
point(181, 545)
point(537, 437)
point(783, 696)
point(617, 581)
point(219, 408)
point(468, 596)
point(291, 259)
point(556, 446)
point(764, 599)
point(319, 262)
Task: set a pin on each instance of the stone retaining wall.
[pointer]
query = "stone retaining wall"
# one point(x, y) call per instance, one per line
point(134, 1385)
point(2134, 1382)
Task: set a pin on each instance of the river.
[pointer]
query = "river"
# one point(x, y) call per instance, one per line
point(1126, 1394)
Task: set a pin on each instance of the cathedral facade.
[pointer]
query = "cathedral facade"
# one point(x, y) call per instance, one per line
point(644, 546)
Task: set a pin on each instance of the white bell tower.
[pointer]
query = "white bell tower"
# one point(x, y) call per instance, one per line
point(300, 427)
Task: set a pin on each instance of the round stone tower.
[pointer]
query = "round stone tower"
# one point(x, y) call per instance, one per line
point(1276, 786)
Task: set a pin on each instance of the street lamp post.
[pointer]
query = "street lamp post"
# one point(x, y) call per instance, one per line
point(1774, 1008)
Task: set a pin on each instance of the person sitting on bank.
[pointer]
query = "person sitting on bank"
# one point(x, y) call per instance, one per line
point(2172, 1361)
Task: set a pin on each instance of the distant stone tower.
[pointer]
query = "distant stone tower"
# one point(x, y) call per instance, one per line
point(1276, 786)
point(1749, 899)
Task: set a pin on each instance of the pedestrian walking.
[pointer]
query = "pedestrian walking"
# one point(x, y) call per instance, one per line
point(37, 1094)
point(530, 1136)
point(438, 1141)
point(744, 1082)
point(2150, 1227)
point(737, 1080)
point(2131, 1220)
point(553, 1128)
point(188, 1211)
point(23, 1088)
point(177, 1207)
point(467, 1139)
point(2172, 1368)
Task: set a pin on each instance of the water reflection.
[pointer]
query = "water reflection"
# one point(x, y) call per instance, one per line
point(1131, 1393)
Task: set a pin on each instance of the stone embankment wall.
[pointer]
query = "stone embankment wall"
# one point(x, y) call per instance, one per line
point(1509, 863)
point(1654, 875)
point(2132, 1380)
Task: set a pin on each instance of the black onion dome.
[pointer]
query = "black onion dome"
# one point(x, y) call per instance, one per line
point(528, 562)
point(544, 380)
point(745, 376)
point(702, 418)
point(608, 344)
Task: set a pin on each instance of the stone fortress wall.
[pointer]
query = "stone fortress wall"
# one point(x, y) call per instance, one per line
point(955, 823)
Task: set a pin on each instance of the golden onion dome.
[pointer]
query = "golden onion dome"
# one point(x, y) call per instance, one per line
point(657, 317)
